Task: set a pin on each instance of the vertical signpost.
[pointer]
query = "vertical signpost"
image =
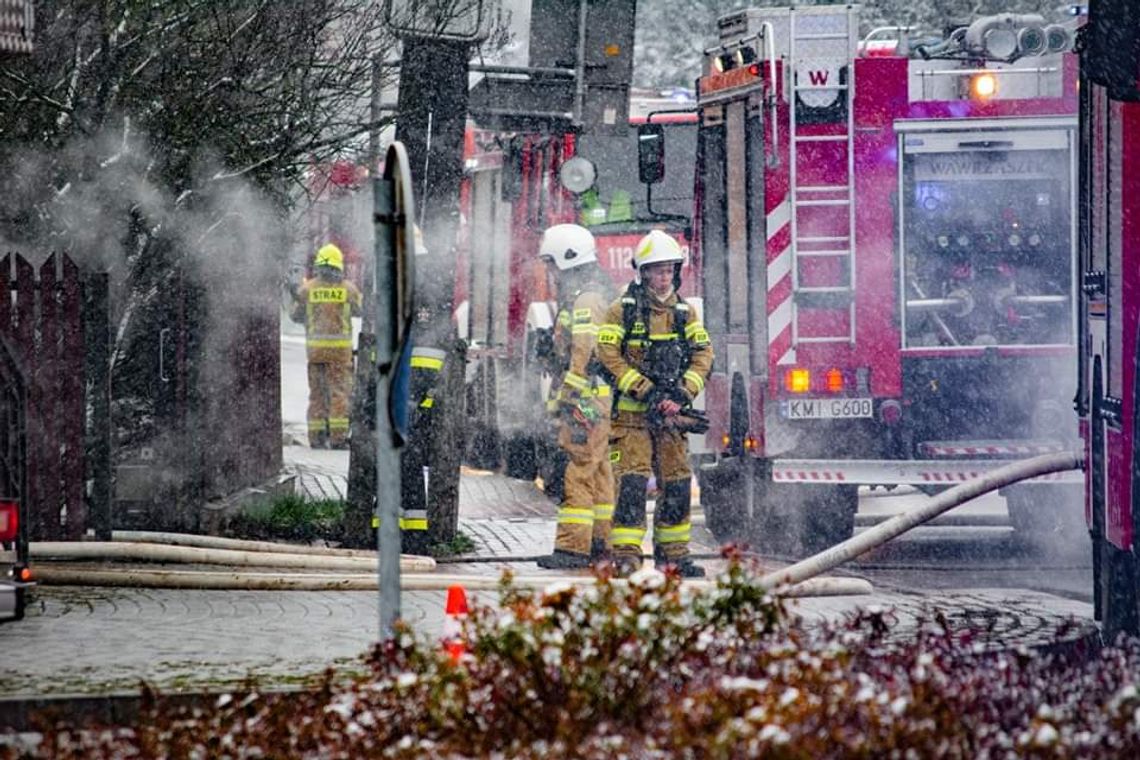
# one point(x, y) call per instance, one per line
point(393, 216)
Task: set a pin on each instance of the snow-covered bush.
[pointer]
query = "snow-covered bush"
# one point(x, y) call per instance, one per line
point(654, 669)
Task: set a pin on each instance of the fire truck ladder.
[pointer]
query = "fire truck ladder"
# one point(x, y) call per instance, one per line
point(822, 40)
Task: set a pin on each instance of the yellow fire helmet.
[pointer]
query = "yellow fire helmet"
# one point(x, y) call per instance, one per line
point(657, 247)
point(329, 256)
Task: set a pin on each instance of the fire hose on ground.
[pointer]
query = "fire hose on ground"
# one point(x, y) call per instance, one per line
point(352, 570)
point(357, 569)
point(1000, 477)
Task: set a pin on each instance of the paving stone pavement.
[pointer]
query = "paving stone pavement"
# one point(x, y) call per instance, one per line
point(106, 640)
point(84, 640)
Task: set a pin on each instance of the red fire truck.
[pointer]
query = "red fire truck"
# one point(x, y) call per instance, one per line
point(886, 233)
point(1109, 320)
point(516, 186)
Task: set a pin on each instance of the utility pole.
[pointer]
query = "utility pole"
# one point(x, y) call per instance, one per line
point(431, 120)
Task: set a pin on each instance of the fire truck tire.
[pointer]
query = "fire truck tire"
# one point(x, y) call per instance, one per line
point(1047, 513)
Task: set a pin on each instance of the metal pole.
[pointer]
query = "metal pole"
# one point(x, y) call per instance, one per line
point(580, 64)
point(387, 458)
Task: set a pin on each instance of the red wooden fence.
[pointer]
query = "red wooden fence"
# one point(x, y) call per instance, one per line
point(42, 321)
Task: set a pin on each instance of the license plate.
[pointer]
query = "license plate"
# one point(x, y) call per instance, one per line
point(827, 408)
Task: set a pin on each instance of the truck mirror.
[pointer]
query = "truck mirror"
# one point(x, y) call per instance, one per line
point(650, 153)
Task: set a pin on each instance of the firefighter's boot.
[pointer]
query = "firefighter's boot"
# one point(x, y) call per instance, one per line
point(684, 566)
point(625, 565)
point(629, 524)
point(600, 551)
point(563, 560)
point(672, 529)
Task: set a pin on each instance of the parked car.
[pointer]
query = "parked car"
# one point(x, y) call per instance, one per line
point(15, 575)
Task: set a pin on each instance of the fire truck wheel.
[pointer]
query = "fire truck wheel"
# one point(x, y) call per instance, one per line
point(1051, 514)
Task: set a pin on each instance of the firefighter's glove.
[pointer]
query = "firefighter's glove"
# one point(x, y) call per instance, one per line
point(690, 421)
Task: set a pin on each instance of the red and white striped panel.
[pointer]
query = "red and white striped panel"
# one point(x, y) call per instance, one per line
point(779, 256)
point(894, 472)
point(986, 448)
point(815, 475)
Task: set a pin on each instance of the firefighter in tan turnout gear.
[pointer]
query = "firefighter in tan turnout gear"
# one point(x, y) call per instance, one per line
point(325, 304)
point(582, 401)
point(654, 346)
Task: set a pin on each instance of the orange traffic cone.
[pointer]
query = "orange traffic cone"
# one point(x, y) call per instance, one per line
point(454, 613)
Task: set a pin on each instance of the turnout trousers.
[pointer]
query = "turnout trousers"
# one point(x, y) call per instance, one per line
point(636, 452)
point(586, 513)
point(330, 388)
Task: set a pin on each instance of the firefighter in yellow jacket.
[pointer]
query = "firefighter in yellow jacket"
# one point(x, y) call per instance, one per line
point(326, 303)
point(653, 344)
point(582, 400)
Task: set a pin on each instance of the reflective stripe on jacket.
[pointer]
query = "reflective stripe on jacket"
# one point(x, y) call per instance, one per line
point(328, 311)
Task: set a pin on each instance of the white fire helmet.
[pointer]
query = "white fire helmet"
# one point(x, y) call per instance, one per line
point(568, 246)
point(655, 248)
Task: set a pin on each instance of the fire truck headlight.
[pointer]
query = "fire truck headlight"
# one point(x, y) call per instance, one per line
point(577, 174)
point(797, 380)
point(1057, 39)
point(744, 55)
point(1014, 240)
point(943, 241)
point(1031, 40)
point(983, 86)
point(723, 62)
point(963, 241)
point(1034, 240)
point(1000, 42)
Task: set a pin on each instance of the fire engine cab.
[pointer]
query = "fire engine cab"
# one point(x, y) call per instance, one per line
point(886, 233)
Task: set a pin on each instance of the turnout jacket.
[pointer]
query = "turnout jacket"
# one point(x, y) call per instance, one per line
point(326, 309)
point(576, 339)
point(624, 348)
